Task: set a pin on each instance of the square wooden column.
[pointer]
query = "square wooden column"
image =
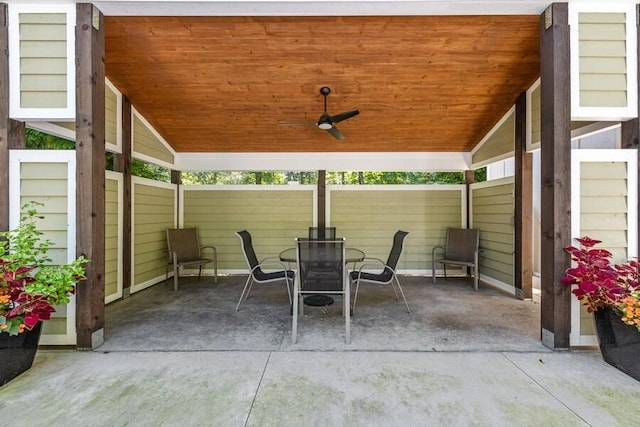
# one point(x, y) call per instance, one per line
point(523, 225)
point(122, 164)
point(555, 102)
point(322, 198)
point(4, 118)
point(90, 176)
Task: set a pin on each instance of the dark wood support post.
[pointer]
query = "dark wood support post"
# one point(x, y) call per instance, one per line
point(90, 180)
point(176, 178)
point(523, 224)
point(469, 178)
point(122, 164)
point(555, 101)
point(4, 118)
point(322, 198)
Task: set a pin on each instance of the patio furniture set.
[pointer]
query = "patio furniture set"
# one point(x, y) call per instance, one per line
point(321, 266)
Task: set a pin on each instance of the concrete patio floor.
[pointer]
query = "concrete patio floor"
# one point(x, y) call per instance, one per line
point(186, 358)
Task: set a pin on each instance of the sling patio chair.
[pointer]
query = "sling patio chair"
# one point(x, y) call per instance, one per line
point(256, 272)
point(185, 251)
point(385, 272)
point(461, 249)
point(321, 271)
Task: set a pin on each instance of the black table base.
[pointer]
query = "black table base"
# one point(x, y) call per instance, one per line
point(318, 300)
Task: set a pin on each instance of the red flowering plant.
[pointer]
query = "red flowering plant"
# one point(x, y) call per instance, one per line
point(30, 286)
point(601, 284)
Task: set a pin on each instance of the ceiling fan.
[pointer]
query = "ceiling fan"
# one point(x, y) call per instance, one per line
point(327, 122)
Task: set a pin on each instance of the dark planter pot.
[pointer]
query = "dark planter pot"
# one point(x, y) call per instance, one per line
point(619, 342)
point(17, 353)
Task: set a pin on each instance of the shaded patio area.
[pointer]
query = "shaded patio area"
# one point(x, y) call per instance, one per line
point(448, 316)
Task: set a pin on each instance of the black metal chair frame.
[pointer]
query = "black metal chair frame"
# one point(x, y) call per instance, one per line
point(388, 273)
point(256, 272)
point(321, 271)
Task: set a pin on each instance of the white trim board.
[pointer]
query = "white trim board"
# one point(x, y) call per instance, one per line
point(579, 113)
point(379, 162)
point(612, 155)
point(119, 178)
point(46, 114)
point(16, 157)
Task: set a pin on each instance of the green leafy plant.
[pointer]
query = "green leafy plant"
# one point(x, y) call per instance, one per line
point(601, 284)
point(30, 286)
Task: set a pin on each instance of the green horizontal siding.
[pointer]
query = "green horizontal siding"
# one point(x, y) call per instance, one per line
point(602, 60)
point(111, 115)
point(43, 60)
point(111, 242)
point(154, 212)
point(274, 219)
point(145, 142)
point(603, 214)
point(501, 142)
point(535, 116)
point(493, 210)
point(47, 183)
point(369, 219)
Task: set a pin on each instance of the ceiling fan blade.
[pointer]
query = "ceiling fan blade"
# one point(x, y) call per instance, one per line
point(344, 116)
point(335, 132)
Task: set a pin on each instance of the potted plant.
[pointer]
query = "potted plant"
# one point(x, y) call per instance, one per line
point(612, 293)
point(29, 289)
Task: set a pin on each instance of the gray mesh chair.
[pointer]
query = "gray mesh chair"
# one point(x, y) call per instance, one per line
point(256, 272)
point(184, 251)
point(461, 248)
point(387, 274)
point(321, 271)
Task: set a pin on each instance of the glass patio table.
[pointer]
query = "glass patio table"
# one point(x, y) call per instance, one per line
point(352, 255)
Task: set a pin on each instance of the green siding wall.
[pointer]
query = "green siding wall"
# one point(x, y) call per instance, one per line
point(369, 219)
point(501, 142)
point(493, 210)
point(274, 218)
point(47, 183)
point(145, 142)
point(111, 115)
point(154, 212)
point(43, 60)
point(602, 63)
point(603, 214)
point(111, 241)
point(535, 116)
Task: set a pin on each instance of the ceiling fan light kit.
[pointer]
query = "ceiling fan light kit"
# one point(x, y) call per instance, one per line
point(327, 122)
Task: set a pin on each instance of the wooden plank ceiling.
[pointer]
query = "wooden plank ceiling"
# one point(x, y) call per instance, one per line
point(251, 84)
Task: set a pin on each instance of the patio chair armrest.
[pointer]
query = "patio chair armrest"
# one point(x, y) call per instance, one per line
point(435, 248)
point(377, 262)
point(213, 248)
point(268, 262)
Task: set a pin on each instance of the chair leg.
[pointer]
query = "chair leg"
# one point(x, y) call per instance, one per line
point(215, 270)
point(286, 279)
point(355, 296)
point(176, 268)
point(433, 270)
point(402, 293)
point(476, 277)
point(294, 321)
point(245, 289)
point(200, 272)
point(346, 308)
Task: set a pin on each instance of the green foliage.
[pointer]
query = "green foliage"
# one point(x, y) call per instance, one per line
point(148, 170)
point(29, 285)
point(44, 141)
